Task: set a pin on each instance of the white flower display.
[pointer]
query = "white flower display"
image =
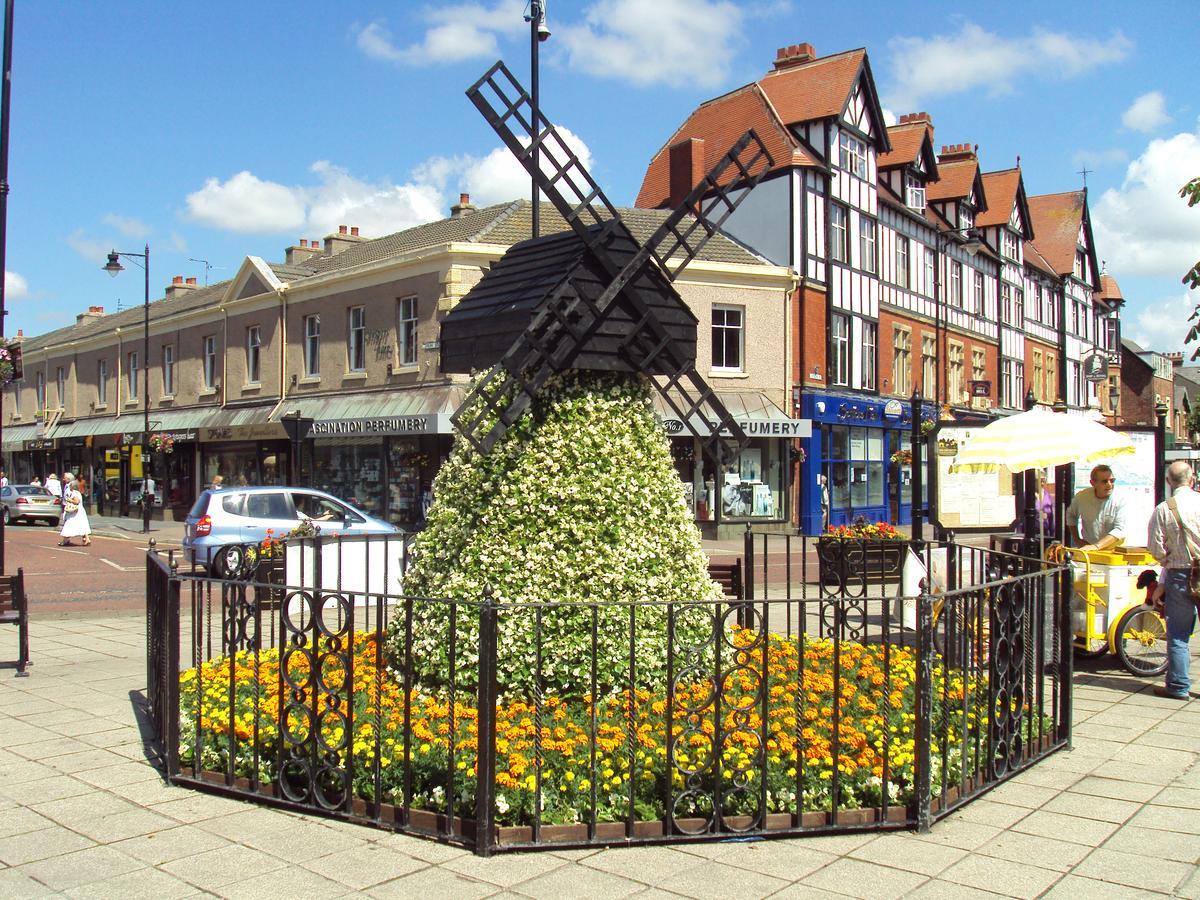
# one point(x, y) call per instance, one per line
point(578, 504)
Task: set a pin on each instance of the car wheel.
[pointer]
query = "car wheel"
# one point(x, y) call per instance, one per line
point(5, 515)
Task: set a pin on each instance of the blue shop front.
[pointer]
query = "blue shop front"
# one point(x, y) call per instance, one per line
point(858, 460)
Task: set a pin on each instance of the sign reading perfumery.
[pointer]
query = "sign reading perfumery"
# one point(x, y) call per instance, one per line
point(755, 428)
point(431, 423)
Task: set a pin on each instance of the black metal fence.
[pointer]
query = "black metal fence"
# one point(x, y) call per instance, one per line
point(826, 701)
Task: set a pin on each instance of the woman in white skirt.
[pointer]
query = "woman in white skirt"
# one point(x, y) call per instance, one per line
point(75, 519)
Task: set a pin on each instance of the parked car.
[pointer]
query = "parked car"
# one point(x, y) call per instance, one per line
point(30, 503)
point(229, 517)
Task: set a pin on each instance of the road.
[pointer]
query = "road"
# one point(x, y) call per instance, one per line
point(106, 578)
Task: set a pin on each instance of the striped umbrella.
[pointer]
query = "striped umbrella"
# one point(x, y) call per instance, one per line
point(1038, 439)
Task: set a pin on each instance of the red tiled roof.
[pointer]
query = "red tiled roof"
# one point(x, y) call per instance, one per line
point(1035, 259)
point(907, 140)
point(1057, 219)
point(956, 177)
point(719, 123)
point(1109, 289)
point(813, 90)
point(1001, 191)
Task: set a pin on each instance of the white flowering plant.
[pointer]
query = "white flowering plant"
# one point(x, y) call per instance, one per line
point(577, 508)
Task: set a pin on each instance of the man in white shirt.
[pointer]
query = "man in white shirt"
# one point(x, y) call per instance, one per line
point(1098, 513)
point(1174, 539)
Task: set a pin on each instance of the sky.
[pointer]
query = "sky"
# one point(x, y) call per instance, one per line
point(219, 130)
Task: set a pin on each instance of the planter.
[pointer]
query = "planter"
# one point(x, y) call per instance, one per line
point(268, 571)
point(843, 560)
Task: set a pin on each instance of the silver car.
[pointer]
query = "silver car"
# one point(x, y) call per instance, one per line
point(30, 503)
point(235, 517)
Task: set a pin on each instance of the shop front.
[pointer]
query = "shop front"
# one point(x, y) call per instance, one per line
point(859, 461)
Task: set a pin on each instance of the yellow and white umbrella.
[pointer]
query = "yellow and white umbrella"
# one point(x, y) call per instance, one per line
point(1038, 439)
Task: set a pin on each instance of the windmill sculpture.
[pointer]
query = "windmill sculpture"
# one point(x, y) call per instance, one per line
point(593, 297)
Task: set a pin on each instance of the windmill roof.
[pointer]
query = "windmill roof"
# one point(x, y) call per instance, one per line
point(1057, 219)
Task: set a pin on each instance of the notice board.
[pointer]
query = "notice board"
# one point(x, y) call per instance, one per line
point(968, 501)
point(1136, 475)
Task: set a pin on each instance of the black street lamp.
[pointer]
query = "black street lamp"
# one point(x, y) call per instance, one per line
point(113, 267)
point(538, 32)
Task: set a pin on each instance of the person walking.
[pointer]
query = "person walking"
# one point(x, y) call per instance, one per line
point(53, 485)
point(75, 518)
point(1175, 541)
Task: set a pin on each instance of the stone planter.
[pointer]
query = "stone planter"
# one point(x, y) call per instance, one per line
point(854, 560)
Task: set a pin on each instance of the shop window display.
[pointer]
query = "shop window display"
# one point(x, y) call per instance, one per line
point(351, 470)
point(750, 487)
point(243, 464)
point(404, 482)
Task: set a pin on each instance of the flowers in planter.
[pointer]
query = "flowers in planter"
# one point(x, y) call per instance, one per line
point(162, 443)
point(927, 425)
point(270, 547)
point(862, 530)
point(902, 458)
point(10, 357)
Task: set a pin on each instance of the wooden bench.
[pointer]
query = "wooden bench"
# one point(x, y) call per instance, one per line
point(14, 609)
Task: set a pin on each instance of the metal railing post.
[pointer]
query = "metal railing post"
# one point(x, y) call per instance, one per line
point(172, 674)
point(923, 763)
point(743, 614)
point(1066, 655)
point(485, 766)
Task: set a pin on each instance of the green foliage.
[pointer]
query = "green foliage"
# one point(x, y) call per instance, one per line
point(1191, 193)
point(578, 504)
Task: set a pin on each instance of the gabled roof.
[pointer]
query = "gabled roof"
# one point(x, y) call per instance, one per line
point(1005, 189)
point(1057, 219)
point(957, 177)
point(720, 122)
point(912, 143)
point(820, 88)
point(1035, 259)
point(1110, 291)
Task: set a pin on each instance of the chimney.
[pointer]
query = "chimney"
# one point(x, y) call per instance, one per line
point(956, 152)
point(687, 168)
point(909, 118)
point(336, 243)
point(462, 207)
point(178, 287)
point(794, 55)
point(1176, 358)
point(93, 312)
point(296, 255)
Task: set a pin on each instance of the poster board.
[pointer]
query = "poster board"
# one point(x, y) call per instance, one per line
point(1136, 477)
point(968, 501)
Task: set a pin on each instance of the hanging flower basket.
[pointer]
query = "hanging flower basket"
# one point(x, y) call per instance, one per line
point(162, 443)
point(902, 458)
point(8, 364)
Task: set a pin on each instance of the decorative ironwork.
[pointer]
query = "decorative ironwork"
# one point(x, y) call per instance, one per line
point(1007, 664)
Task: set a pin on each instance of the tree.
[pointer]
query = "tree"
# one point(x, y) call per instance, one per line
point(1191, 193)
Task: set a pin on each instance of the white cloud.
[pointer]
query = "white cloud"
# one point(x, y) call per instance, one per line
point(130, 228)
point(1162, 324)
point(90, 248)
point(975, 59)
point(454, 33)
point(1143, 227)
point(15, 286)
point(889, 117)
point(1147, 113)
point(674, 42)
point(246, 204)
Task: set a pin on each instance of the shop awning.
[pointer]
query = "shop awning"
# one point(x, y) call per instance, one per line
point(15, 436)
point(252, 422)
point(423, 410)
point(753, 410)
point(174, 421)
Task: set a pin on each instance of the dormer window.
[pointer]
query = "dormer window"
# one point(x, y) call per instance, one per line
point(1008, 245)
point(966, 217)
point(853, 156)
point(914, 194)
point(1080, 270)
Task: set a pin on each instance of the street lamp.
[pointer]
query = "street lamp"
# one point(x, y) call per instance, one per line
point(1114, 397)
point(113, 267)
point(538, 32)
point(972, 244)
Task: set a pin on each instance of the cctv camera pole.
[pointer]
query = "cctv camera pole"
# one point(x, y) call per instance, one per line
point(536, 14)
point(4, 120)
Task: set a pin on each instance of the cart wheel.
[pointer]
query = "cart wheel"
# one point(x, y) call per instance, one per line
point(1141, 641)
point(1095, 647)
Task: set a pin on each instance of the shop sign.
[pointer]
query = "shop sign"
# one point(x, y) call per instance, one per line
point(779, 428)
point(266, 431)
point(893, 409)
point(1095, 367)
point(41, 444)
point(189, 435)
point(981, 389)
point(429, 423)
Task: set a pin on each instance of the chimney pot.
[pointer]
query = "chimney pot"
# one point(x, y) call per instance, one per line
point(314, 243)
point(178, 279)
point(341, 229)
point(464, 199)
point(354, 231)
point(192, 281)
point(303, 242)
point(20, 332)
point(95, 309)
point(794, 54)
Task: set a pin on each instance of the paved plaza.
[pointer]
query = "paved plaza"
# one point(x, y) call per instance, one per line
point(84, 814)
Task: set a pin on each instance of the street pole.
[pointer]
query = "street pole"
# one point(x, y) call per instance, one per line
point(1160, 451)
point(5, 103)
point(146, 500)
point(918, 460)
point(535, 13)
point(1031, 510)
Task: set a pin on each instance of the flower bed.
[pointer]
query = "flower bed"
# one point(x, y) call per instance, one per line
point(627, 733)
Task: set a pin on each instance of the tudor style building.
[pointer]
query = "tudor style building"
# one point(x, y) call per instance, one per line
point(915, 271)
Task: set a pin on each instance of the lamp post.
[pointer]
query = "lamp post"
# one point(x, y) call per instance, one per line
point(113, 267)
point(971, 245)
point(1114, 397)
point(538, 32)
point(5, 87)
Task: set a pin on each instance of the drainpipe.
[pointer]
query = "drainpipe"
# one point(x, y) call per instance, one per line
point(282, 292)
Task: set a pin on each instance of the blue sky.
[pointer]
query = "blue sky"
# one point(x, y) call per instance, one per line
point(223, 129)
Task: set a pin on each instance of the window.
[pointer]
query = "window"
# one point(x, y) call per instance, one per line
point(356, 339)
point(1019, 382)
point(727, 338)
point(1076, 383)
point(902, 261)
point(253, 354)
point(955, 279)
point(978, 364)
point(838, 241)
point(102, 382)
point(928, 364)
point(168, 364)
point(866, 244)
point(210, 361)
point(930, 262)
point(1051, 377)
point(1006, 304)
point(901, 361)
point(915, 193)
point(870, 338)
point(15, 388)
point(966, 217)
point(978, 298)
point(1039, 375)
point(39, 390)
point(408, 331)
point(131, 372)
point(1008, 245)
point(1112, 333)
point(840, 343)
point(853, 156)
point(956, 373)
point(60, 386)
point(312, 346)
point(1007, 396)
point(1080, 268)
point(1018, 307)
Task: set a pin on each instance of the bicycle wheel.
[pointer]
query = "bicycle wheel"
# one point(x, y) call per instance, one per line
point(1141, 641)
